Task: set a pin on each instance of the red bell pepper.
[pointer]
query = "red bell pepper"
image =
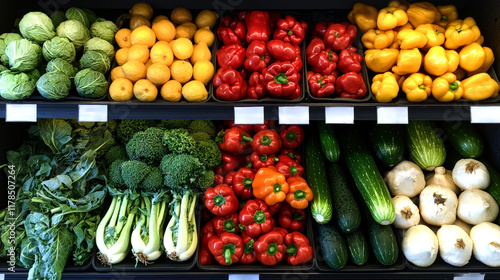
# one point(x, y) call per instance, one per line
point(228, 179)
point(304, 24)
point(206, 215)
point(205, 257)
point(220, 200)
point(322, 85)
point(256, 218)
point(242, 183)
point(266, 142)
point(248, 128)
point(298, 250)
point(281, 50)
point(259, 161)
point(228, 223)
point(289, 30)
point(322, 60)
point(351, 85)
point(258, 28)
point(292, 219)
point(351, 30)
point(257, 57)
point(349, 61)
point(226, 248)
point(231, 56)
point(231, 31)
point(282, 80)
point(233, 140)
point(288, 167)
point(229, 84)
point(230, 163)
point(266, 125)
point(292, 136)
point(248, 256)
point(219, 179)
point(242, 15)
point(336, 37)
point(281, 230)
point(294, 154)
point(270, 248)
point(208, 227)
point(297, 63)
point(275, 208)
point(273, 19)
point(320, 29)
point(256, 86)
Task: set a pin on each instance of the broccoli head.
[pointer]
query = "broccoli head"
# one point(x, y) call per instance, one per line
point(134, 172)
point(171, 124)
point(115, 153)
point(178, 141)
point(200, 136)
point(181, 170)
point(202, 126)
point(127, 128)
point(115, 174)
point(147, 146)
point(209, 154)
point(206, 180)
point(153, 181)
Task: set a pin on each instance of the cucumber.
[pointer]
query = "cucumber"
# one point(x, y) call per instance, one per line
point(368, 180)
point(494, 187)
point(465, 138)
point(358, 246)
point(425, 145)
point(347, 212)
point(383, 241)
point(329, 143)
point(333, 246)
point(321, 206)
point(387, 143)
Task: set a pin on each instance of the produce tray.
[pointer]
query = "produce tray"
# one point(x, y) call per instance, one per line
point(4, 268)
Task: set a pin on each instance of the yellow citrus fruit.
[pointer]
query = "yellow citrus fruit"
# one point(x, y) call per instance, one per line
point(181, 71)
point(134, 70)
point(117, 73)
point(122, 38)
point(164, 30)
point(143, 35)
point(171, 44)
point(185, 30)
point(194, 91)
point(121, 55)
point(148, 63)
point(121, 89)
point(138, 52)
point(145, 91)
point(162, 53)
point(137, 21)
point(181, 15)
point(206, 18)
point(203, 71)
point(200, 52)
point(142, 9)
point(158, 18)
point(171, 91)
point(158, 74)
point(183, 48)
point(204, 35)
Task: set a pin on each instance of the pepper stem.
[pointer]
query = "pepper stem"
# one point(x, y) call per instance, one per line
point(229, 225)
point(299, 195)
point(293, 170)
point(281, 79)
point(248, 249)
point(444, 18)
point(290, 154)
point(291, 250)
point(247, 182)
point(277, 187)
point(263, 157)
point(296, 216)
point(454, 86)
point(272, 249)
point(266, 140)
point(262, 57)
point(290, 32)
point(245, 139)
point(259, 217)
point(336, 34)
point(219, 200)
point(242, 227)
point(227, 252)
point(290, 135)
point(421, 86)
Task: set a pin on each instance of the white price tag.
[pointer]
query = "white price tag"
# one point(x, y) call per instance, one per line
point(392, 115)
point(294, 115)
point(485, 114)
point(339, 115)
point(243, 277)
point(92, 113)
point(2, 276)
point(248, 115)
point(20, 112)
point(469, 276)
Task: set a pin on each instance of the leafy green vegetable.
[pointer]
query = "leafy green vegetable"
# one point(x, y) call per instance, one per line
point(57, 17)
point(60, 65)
point(54, 85)
point(17, 85)
point(91, 84)
point(95, 60)
point(104, 29)
point(5, 39)
point(23, 55)
point(37, 26)
point(75, 31)
point(58, 47)
point(98, 44)
point(90, 15)
point(79, 15)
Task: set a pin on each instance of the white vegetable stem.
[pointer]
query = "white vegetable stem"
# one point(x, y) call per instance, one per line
point(420, 246)
point(486, 239)
point(477, 206)
point(469, 174)
point(406, 179)
point(455, 245)
point(438, 205)
point(442, 177)
point(407, 213)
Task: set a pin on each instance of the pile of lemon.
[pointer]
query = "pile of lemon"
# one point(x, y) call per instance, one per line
point(160, 57)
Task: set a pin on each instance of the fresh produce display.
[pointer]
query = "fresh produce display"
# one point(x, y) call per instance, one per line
point(422, 50)
point(259, 56)
point(166, 57)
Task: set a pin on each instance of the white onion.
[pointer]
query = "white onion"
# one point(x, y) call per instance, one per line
point(420, 246)
point(455, 245)
point(469, 174)
point(476, 206)
point(438, 205)
point(406, 179)
point(486, 239)
point(407, 213)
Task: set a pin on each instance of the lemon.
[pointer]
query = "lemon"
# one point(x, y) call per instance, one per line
point(171, 91)
point(194, 91)
point(206, 18)
point(204, 35)
point(182, 48)
point(181, 71)
point(203, 71)
point(185, 30)
point(200, 52)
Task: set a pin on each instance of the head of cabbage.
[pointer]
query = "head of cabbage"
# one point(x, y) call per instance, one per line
point(95, 60)
point(74, 31)
point(61, 65)
point(5, 39)
point(58, 47)
point(104, 29)
point(91, 84)
point(90, 15)
point(23, 55)
point(54, 85)
point(17, 85)
point(57, 17)
point(37, 26)
point(78, 14)
point(98, 44)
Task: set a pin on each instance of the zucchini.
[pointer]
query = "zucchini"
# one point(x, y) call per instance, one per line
point(494, 187)
point(383, 241)
point(347, 211)
point(321, 206)
point(329, 143)
point(333, 246)
point(465, 138)
point(368, 180)
point(387, 143)
point(425, 145)
point(358, 246)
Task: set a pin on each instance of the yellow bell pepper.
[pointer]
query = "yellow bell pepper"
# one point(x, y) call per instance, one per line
point(438, 61)
point(447, 88)
point(409, 62)
point(479, 87)
point(417, 87)
point(434, 34)
point(402, 5)
point(480, 41)
point(472, 57)
point(461, 33)
point(389, 18)
point(378, 39)
point(404, 27)
point(489, 58)
point(460, 73)
point(409, 39)
point(422, 13)
point(385, 87)
point(364, 16)
point(381, 61)
point(448, 13)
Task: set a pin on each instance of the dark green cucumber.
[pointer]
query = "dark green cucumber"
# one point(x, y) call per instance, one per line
point(465, 138)
point(328, 140)
point(368, 180)
point(425, 144)
point(346, 210)
point(357, 243)
point(333, 246)
point(383, 241)
point(321, 206)
point(387, 143)
point(494, 187)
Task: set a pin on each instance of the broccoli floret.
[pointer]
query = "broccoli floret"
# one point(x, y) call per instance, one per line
point(153, 181)
point(115, 153)
point(134, 172)
point(200, 136)
point(206, 180)
point(171, 124)
point(209, 154)
point(127, 128)
point(147, 146)
point(178, 141)
point(181, 170)
point(202, 126)
point(115, 174)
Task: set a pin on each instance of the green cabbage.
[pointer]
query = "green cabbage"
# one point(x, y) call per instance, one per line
point(58, 47)
point(3, 68)
point(23, 55)
point(104, 29)
point(78, 14)
point(5, 39)
point(54, 85)
point(17, 85)
point(57, 17)
point(95, 60)
point(62, 66)
point(37, 26)
point(91, 84)
point(98, 44)
point(90, 15)
point(75, 31)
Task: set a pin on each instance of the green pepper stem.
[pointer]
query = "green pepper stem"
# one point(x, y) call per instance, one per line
point(272, 249)
point(266, 140)
point(219, 200)
point(242, 227)
point(454, 86)
point(263, 157)
point(277, 187)
point(259, 217)
point(299, 195)
point(248, 249)
point(290, 32)
point(245, 139)
point(291, 250)
point(229, 225)
point(262, 57)
point(293, 170)
point(227, 252)
point(247, 182)
point(444, 18)
point(281, 79)
point(421, 86)
point(336, 34)
point(296, 216)
point(291, 135)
